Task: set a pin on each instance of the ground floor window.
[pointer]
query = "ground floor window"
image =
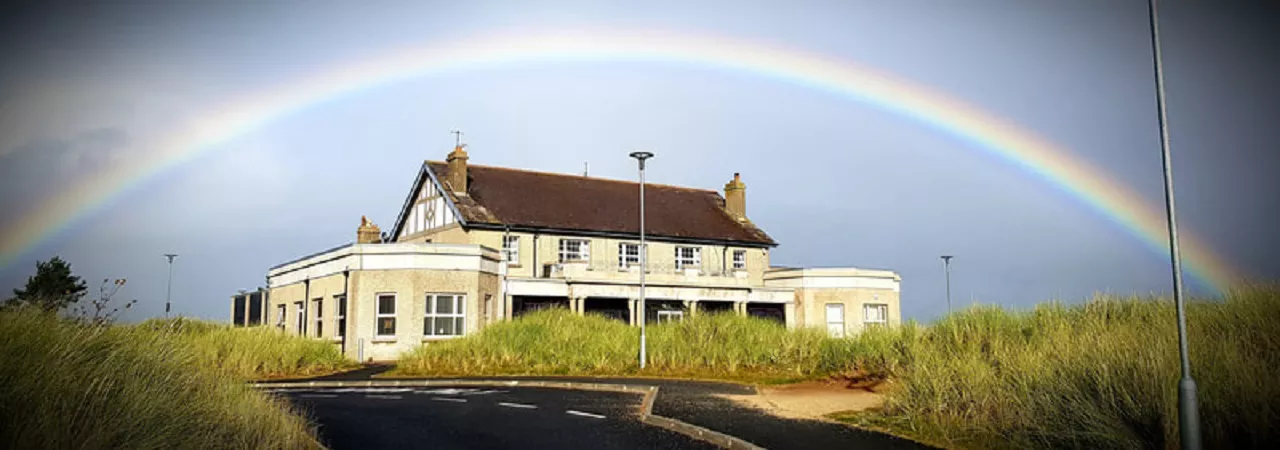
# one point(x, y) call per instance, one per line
point(280, 313)
point(341, 330)
point(445, 315)
point(386, 315)
point(875, 314)
point(318, 305)
point(670, 316)
point(302, 318)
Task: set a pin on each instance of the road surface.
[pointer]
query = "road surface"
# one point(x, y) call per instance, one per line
point(480, 418)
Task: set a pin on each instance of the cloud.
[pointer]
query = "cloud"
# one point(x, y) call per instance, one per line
point(37, 169)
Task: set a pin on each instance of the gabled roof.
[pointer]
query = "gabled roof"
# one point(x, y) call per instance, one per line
point(539, 201)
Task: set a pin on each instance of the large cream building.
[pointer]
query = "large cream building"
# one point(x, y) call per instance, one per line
point(473, 245)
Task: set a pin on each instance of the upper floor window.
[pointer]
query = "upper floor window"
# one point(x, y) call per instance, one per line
point(574, 250)
point(739, 259)
point(511, 249)
point(875, 314)
point(688, 257)
point(386, 315)
point(628, 255)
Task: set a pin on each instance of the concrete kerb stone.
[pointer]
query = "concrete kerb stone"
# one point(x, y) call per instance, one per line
point(646, 405)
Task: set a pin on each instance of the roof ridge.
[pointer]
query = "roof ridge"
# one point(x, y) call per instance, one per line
point(557, 174)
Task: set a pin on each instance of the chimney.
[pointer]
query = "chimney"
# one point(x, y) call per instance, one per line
point(368, 233)
point(457, 178)
point(735, 201)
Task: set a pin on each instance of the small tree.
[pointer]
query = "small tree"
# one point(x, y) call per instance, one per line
point(102, 312)
point(53, 287)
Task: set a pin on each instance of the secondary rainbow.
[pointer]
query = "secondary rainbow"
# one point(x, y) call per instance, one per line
point(985, 131)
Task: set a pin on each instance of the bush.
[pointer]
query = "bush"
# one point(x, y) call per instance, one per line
point(66, 385)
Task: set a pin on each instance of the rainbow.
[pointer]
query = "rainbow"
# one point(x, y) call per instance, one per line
point(984, 131)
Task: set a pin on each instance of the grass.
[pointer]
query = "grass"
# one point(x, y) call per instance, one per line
point(251, 353)
point(1102, 374)
point(158, 385)
point(557, 342)
point(1099, 375)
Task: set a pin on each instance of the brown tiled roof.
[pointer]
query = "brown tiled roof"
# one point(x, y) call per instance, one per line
point(528, 199)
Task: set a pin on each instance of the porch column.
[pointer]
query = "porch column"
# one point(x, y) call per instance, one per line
point(790, 311)
point(740, 308)
point(692, 307)
point(580, 306)
point(632, 305)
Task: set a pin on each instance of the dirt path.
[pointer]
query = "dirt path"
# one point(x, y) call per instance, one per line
point(811, 400)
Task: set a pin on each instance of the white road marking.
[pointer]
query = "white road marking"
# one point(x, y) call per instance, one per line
point(388, 397)
point(447, 399)
point(373, 390)
point(584, 414)
point(318, 396)
point(484, 392)
point(517, 405)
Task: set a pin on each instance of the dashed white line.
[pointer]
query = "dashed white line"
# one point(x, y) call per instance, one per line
point(517, 405)
point(584, 414)
point(387, 397)
point(447, 399)
point(318, 396)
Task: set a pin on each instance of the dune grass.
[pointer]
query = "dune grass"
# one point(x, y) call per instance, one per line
point(1102, 374)
point(67, 385)
point(558, 342)
point(251, 353)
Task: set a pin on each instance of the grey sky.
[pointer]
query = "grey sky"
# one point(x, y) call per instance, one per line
point(837, 182)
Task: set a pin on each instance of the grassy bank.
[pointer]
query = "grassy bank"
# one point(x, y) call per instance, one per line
point(250, 353)
point(1102, 374)
point(1098, 375)
point(557, 342)
point(64, 385)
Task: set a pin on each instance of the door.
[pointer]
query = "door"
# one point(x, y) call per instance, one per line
point(835, 319)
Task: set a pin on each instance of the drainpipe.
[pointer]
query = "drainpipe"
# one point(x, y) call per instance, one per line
point(346, 282)
point(534, 267)
point(724, 269)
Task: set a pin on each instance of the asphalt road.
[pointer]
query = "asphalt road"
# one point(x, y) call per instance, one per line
point(481, 418)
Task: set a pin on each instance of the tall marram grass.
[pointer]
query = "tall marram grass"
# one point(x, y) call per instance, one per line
point(65, 385)
point(557, 342)
point(1099, 375)
point(251, 353)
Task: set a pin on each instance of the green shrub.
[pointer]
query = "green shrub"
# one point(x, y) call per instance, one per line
point(66, 385)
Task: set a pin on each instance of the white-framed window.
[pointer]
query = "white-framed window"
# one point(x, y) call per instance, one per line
point(318, 306)
point(511, 249)
point(574, 250)
point(670, 316)
point(445, 315)
point(280, 313)
point(340, 317)
point(739, 260)
point(386, 316)
point(628, 255)
point(299, 327)
point(875, 314)
point(688, 257)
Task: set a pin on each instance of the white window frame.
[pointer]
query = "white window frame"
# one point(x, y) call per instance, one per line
point(583, 253)
point(670, 315)
point(379, 315)
point(881, 308)
point(318, 316)
point(625, 259)
point(511, 252)
point(739, 260)
point(695, 260)
point(339, 316)
point(282, 311)
point(301, 314)
point(459, 315)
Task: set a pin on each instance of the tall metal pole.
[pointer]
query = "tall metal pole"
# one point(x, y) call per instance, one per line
point(644, 253)
point(169, 290)
point(946, 264)
point(1188, 411)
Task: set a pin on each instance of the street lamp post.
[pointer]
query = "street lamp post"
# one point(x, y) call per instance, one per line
point(169, 290)
point(946, 264)
point(644, 251)
point(1188, 414)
